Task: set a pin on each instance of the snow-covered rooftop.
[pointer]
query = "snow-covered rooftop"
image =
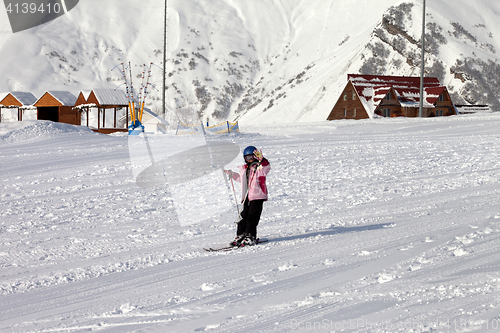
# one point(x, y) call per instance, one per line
point(372, 89)
point(110, 97)
point(66, 98)
point(392, 81)
point(25, 98)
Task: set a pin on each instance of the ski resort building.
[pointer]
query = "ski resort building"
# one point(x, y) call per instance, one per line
point(104, 110)
point(369, 96)
point(14, 103)
point(58, 106)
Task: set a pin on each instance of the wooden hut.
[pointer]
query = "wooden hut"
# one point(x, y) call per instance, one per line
point(17, 100)
point(58, 106)
point(368, 96)
point(105, 100)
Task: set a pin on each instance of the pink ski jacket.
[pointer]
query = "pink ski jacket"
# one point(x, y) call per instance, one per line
point(257, 188)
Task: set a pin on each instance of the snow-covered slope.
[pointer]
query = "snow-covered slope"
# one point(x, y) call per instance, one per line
point(258, 61)
point(390, 226)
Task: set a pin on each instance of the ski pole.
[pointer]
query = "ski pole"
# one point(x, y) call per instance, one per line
point(235, 200)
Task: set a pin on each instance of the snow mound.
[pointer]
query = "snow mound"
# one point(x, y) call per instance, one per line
point(36, 130)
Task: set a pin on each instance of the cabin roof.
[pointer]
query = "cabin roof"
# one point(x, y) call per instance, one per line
point(372, 89)
point(25, 98)
point(110, 97)
point(64, 97)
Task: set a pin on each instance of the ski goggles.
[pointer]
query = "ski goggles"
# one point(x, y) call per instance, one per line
point(249, 158)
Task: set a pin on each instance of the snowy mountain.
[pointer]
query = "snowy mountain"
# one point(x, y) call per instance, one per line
point(258, 61)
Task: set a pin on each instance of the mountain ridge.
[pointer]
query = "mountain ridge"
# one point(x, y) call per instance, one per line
point(256, 62)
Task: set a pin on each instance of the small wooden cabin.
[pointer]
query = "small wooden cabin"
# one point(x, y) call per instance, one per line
point(103, 100)
point(58, 106)
point(369, 96)
point(19, 100)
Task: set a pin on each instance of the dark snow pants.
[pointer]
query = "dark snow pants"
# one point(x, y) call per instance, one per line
point(250, 217)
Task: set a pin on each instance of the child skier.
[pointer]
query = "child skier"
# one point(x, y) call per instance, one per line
point(252, 176)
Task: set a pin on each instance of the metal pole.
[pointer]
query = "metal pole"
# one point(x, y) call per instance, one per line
point(164, 59)
point(422, 65)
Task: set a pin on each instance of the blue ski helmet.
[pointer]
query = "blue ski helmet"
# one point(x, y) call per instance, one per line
point(249, 150)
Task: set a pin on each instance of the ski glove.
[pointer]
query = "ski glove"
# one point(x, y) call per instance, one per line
point(229, 173)
point(258, 154)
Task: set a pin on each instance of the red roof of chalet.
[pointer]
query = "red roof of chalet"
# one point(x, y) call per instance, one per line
point(373, 88)
point(400, 81)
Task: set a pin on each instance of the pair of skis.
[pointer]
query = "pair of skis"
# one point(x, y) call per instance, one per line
point(231, 247)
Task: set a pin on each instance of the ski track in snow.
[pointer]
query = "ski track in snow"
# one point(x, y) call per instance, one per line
point(373, 226)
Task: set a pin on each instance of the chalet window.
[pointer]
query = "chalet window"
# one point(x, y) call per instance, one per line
point(345, 113)
point(441, 98)
point(388, 96)
point(439, 113)
point(354, 113)
point(353, 95)
point(345, 97)
point(386, 112)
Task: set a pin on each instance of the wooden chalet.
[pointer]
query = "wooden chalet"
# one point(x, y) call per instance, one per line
point(17, 100)
point(369, 96)
point(58, 106)
point(103, 100)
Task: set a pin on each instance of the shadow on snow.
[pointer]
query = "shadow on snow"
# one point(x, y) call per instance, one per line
point(333, 231)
